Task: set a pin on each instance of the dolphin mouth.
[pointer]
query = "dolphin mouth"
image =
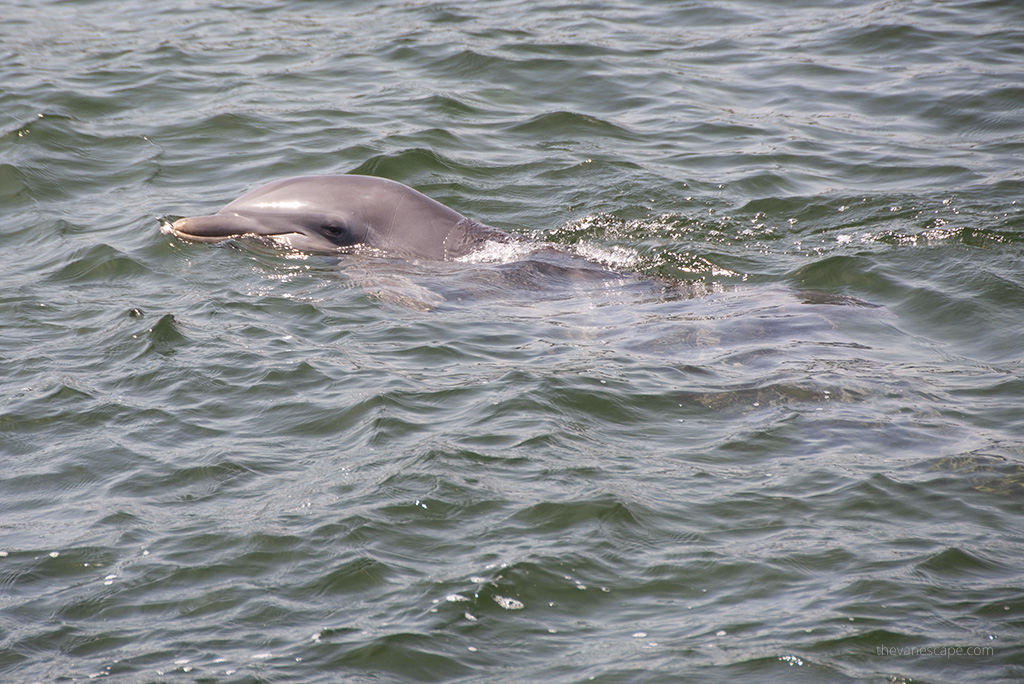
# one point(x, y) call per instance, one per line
point(213, 228)
point(221, 227)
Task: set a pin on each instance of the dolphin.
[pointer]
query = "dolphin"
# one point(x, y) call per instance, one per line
point(330, 214)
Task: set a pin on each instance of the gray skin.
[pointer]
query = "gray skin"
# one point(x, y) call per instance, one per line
point(328, 214)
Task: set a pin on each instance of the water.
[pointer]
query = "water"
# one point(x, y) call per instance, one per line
point(780, 441)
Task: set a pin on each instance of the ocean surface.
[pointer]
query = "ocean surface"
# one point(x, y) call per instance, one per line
point(749, 406)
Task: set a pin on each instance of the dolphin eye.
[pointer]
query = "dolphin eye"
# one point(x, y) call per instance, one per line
point(334, 230)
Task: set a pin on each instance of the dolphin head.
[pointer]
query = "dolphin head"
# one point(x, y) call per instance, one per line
point(328, 214)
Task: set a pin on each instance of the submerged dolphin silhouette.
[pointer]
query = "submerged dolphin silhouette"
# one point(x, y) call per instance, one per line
point(332, 213)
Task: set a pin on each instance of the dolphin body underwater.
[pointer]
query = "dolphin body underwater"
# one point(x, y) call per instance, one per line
point(330, 214)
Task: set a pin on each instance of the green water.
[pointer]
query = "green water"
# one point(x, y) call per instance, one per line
point(780, 439)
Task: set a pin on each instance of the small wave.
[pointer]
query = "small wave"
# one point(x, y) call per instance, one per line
point(615, 257)
point(492, 252)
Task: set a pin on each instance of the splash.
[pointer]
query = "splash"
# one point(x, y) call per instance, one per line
point(492, 252)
